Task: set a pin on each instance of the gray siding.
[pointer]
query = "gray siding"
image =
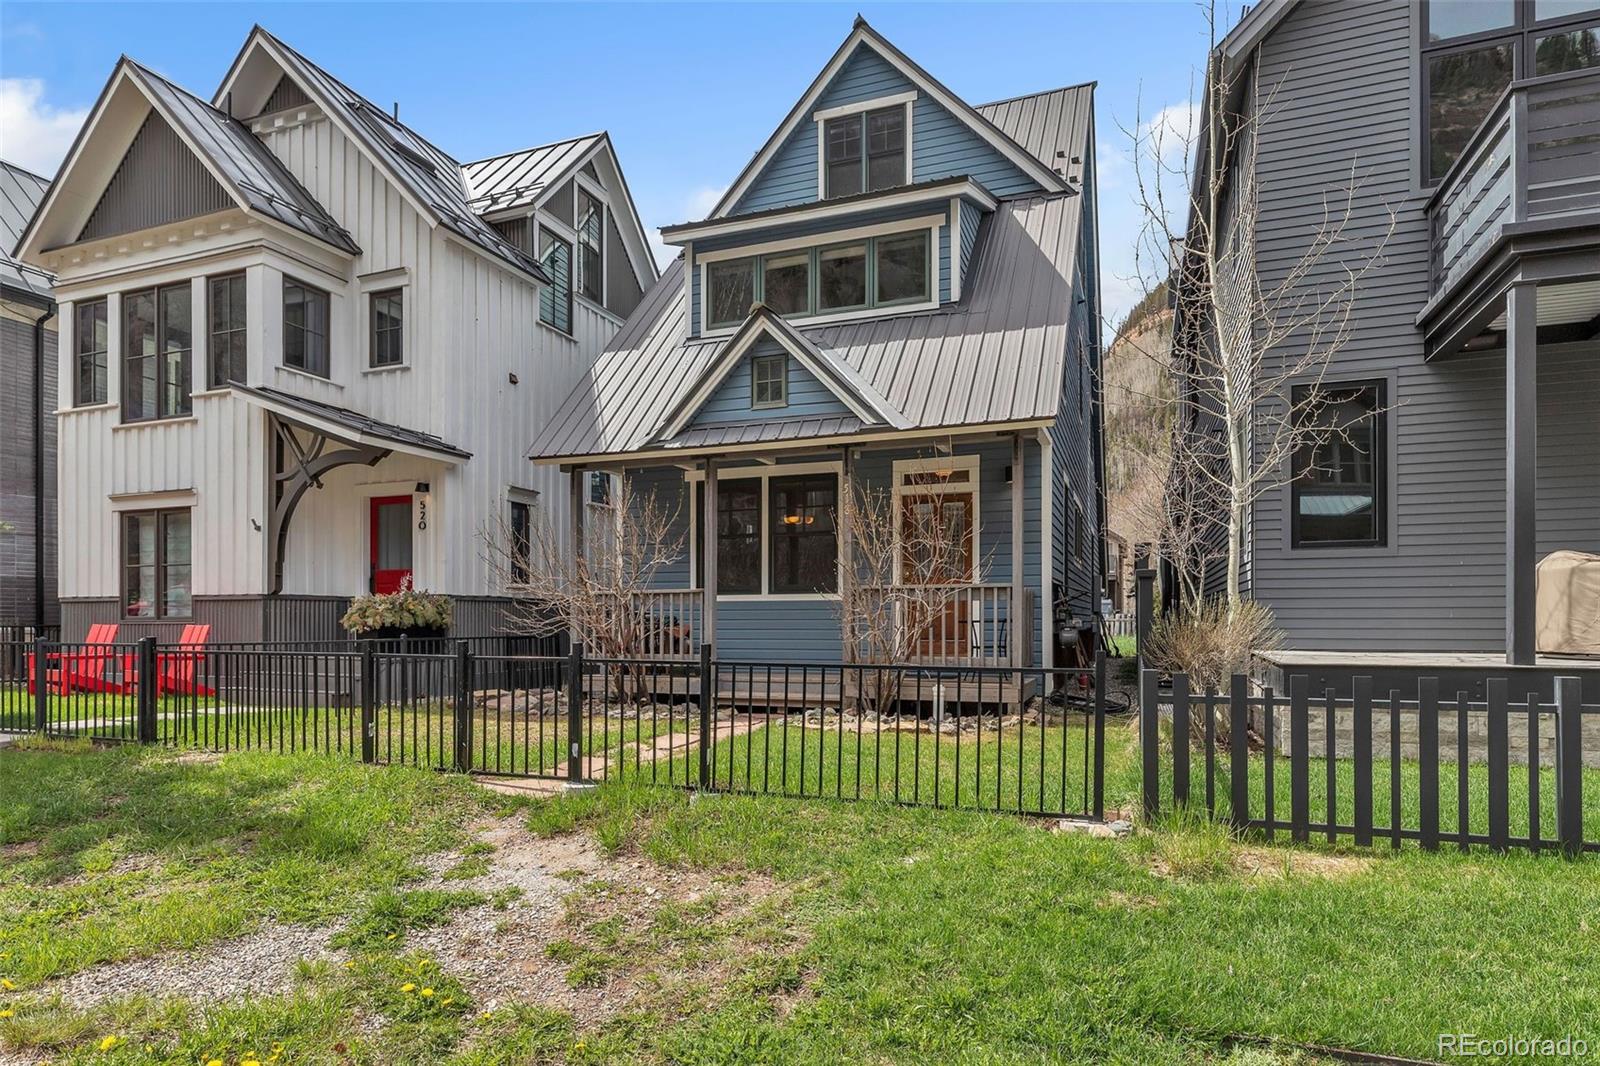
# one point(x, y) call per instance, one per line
point(158, 181)
point(18, 502)
point(1341, 75)
point(622, 286)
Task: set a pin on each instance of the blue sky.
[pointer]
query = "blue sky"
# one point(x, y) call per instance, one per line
point(688, 91)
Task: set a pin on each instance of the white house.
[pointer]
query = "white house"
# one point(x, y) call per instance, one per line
point(302, 350)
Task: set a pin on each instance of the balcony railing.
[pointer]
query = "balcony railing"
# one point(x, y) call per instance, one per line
point(1535, 157)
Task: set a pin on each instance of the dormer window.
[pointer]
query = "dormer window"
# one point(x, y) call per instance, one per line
point(864, 148)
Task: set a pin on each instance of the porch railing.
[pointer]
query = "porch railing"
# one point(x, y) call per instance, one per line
point(965, 626)
point(1536, 156)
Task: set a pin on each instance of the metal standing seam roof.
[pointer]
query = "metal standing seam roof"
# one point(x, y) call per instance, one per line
point(246, 164)
point(428, 173)
point(996, 357)
point(517, 179)
point(20, 193)
point(360, 426)
point(1053, 126)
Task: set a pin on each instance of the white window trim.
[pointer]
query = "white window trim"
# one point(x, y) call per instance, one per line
point(782, 359)
point(930, 224)
point(764, 473)
point(905, 99)
point(588, 185)
point(973, 463)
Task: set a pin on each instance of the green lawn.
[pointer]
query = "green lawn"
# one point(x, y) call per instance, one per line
point(893, 934)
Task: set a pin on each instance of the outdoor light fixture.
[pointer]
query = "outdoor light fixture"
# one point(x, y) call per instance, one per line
point(791, 519)
point(422, 487)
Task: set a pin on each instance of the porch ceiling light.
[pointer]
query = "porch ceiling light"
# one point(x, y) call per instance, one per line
point(791, 519)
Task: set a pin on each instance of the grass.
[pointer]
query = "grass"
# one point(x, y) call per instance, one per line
point(893, 934)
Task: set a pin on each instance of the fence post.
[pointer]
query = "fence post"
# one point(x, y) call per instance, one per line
point(148, 687)
point(369, 703)
point(1239, 751)
point(1180, 740)
point(1428, 761)
point(708, 695)
point(41, 686)
point(1497, 691)
point(1299, 757)
point(1150, 742)
point(463, 714)
point(575, 713)
point(1361, 779)
point(1144, 590)
point(1569, 766)
point(1100, 734)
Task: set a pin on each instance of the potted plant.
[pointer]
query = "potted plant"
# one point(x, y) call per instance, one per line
point(405, 612)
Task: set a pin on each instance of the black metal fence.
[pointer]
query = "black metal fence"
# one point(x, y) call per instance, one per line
point(1370, 768)
point(989, 738)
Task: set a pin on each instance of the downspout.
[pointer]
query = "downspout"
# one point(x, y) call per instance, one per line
point(38, 465)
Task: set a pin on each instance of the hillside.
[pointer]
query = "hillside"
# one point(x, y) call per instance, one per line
point(1138, 398)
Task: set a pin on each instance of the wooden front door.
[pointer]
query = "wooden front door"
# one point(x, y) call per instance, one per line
point(936, 549)
point(390, 523)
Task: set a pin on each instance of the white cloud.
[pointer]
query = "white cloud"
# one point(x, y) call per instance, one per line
point(33, 134)
point(695, 206)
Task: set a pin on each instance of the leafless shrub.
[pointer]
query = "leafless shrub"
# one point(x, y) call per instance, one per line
point(1210, 645)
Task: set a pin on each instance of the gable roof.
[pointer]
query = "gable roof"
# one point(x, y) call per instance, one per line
point(428, 175)
point(348, 424)
point(256, 179)
point(20, 193)
point(862, 33)
point(522, 179)
point(995, 358)
point(1053, 126)
point(836, 375)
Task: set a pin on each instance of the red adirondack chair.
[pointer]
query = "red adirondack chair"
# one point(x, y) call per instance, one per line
point(85, 669)
point(175, 670)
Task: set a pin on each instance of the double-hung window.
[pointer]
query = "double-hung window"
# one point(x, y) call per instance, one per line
point(864, 152)
point(305, 328)
point(590, 226)
point(90, 341)
point(555, 299)
point(156, 564)
point(386, 328)
point(157, 346)
point(1473, 49)
point(520, 549)
point(225, 350)
point(1339, 460)
point(888, 271)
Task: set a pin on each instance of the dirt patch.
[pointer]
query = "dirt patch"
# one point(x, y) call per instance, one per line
point(1280, 864)
point(22, 849)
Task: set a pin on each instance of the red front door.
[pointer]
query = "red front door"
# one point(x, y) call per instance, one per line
point(390, 523)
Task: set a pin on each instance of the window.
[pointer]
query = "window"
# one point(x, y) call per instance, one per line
point(90, 340)
point(786, 282)
point(387, 318)
point(738, 535)
point(847, 168)
point(591, 234)
point(804, 548)
point(1339, 469)
point(938, 504)
point(226, 353)
point(156, 349)
point(731, 290)
point(156, 564)
point(902, 267)
point(305, 328)
point(555, 299)
point(521, 546)
point(1473, 49)
point(600, 488)
point(769, 381)
point(842, 277)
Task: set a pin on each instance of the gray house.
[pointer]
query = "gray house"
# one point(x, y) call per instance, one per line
point(898, 292)
point(1473, 362)
point(27, 411)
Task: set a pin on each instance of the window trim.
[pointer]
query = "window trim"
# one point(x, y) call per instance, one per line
point(160, 514)
point(781, 380)
point(694, 479)
point(78, 352)
point(823, 116)
point(571, 244)
point(186, 408)
point(373, 296)
point(283, 354)
point(585, 186)
point(1382, 459)
point(769, 515)
point(211, 330)
point(519, 552)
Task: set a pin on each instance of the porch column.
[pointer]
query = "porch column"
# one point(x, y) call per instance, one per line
point(1018, 553)
point(1522, 307)
point(847, 559)
point(708, 555)
point(578, 474)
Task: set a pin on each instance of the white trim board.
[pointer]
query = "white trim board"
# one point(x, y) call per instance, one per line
point(936, 193)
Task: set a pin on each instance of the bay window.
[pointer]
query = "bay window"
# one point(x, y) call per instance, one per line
point(305, 328)
point(225, 350)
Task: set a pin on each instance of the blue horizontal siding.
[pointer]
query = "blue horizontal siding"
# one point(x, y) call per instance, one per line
point(971, 219)
point(782, 631)
point(808, 397)
point(942, 145)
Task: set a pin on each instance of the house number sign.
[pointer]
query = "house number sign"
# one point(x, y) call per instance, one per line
point(422, 514)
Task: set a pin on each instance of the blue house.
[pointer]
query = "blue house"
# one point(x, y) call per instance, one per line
point(898, 294)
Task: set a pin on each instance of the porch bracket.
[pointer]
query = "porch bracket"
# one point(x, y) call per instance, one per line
point(299, 466)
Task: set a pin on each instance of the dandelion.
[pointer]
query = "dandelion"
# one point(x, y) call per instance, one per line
point(109, 1042)
point(7, 984)
point(249, 1062)
point(391, 936)
point(213, 1062)
point(408, 987)
point(350, 965)
point(427, 992)
point(8, 1013)
point(446, 1001)
point(486, 1015)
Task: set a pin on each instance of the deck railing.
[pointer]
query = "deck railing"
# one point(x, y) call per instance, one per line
point(1535, 156)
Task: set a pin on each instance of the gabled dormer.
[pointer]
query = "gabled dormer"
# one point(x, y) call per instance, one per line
point(868, 200)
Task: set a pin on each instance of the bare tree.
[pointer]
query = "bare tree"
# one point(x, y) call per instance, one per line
point(599, 596)
point(907, 592)
point(1254, 340)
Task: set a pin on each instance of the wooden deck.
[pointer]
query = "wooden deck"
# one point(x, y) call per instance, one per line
point(815, 688)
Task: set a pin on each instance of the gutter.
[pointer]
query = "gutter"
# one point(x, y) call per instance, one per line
point(38, 465)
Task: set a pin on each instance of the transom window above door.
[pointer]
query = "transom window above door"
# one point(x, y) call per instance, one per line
point(865, 147)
